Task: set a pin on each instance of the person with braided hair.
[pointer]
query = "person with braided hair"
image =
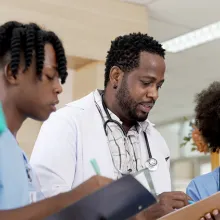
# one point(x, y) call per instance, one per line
point(32, 64)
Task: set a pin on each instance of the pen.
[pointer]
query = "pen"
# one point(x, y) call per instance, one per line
point(95, 166)
point(191, 202)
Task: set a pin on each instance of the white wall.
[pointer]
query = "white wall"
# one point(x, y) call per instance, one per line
point(171, 136)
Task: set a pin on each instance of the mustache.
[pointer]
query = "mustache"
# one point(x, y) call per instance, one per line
point(150, 104)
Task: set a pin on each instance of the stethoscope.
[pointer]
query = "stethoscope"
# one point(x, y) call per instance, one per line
point(151, 163)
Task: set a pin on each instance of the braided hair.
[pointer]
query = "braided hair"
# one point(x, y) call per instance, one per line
point(30, 39)
point(125, 52)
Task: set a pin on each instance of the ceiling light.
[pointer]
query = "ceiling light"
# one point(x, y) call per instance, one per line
point(140, 2)
point(193, 39)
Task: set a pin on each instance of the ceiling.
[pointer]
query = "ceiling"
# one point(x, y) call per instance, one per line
point(190, 71)
point(83, 25)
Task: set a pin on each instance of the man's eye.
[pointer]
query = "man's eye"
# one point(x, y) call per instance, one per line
point(159, 86)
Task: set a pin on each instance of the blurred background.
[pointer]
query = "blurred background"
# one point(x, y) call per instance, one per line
point(189, 30)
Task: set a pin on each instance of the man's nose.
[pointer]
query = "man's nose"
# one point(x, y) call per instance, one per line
point(153, 93)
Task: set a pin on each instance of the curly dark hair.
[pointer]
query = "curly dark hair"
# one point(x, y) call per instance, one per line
point(208, 115)
point(125, 52)
point(30, 39)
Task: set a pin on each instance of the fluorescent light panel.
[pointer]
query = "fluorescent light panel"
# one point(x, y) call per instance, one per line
point(140, 2)
point(193, 39)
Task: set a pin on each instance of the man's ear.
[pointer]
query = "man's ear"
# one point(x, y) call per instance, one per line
point(115, 76)
point(10, 78)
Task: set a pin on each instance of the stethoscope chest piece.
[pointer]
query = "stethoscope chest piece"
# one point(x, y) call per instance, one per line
point(151, 164)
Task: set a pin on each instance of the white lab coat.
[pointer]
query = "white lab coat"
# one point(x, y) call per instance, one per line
point(74, 135)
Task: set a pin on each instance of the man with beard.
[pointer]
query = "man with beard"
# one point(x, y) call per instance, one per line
point(112, 127)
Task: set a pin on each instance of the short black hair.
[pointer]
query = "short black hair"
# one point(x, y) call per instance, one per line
point(16, 37)
point(208, 115)
point(125, 52)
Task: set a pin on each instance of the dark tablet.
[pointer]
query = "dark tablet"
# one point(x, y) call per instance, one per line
point(119, 200)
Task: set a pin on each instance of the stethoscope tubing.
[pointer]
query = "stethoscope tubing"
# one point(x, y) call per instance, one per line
point(110, 120)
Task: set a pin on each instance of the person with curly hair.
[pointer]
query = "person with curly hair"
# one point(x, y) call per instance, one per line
point(112, 127)
point(207, 118)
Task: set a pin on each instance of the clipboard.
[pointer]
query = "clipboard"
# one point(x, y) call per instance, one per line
point(119, 200)
point(197, 210)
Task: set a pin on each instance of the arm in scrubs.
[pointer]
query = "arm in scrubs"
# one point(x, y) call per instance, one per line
point(15, 168)
point(14, 184)
point(204, 186)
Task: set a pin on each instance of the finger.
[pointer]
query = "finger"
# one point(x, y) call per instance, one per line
point(174, 196)
point(189, 198)
point(105, 180)
point(181, 196)
point(177, 195)
point(176, 204)
point(101, 181)
point(216, 214)
point(208, 217)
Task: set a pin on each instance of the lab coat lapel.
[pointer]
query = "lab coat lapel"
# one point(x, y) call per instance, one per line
point(94, 142)
point(162, 173)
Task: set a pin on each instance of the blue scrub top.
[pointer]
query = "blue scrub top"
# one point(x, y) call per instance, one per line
point(204, 186)
point(13, 176)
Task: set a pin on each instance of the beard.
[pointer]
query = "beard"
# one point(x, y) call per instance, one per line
point(127, 104)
